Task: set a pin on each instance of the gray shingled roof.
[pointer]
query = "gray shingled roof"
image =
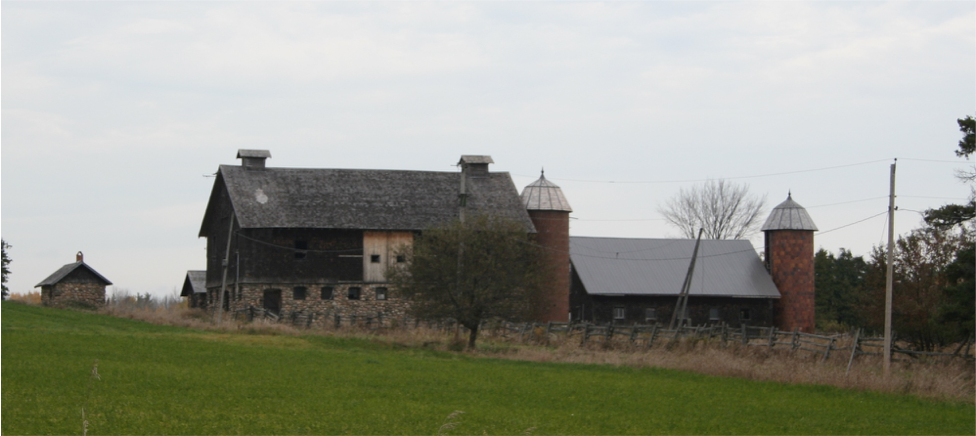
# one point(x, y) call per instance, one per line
point(545, 195)
point(618, 266)
point(195, 282)
point(789, 215)
point(63, 272)
point(360, 199)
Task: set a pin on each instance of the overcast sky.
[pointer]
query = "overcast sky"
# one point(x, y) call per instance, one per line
point(115, 113)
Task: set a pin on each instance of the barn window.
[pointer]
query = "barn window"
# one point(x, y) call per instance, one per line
point(380, 293)
point(301, 248)
point(353, 293)
point(744, 314)
point(327, 292)
point(401, 258)
point(299, 292)
point(713, 314)
point(618, 313)
point(374, 258)
point(650, 314)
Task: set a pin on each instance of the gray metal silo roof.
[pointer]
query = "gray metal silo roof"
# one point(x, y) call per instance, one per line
point(789, 215)
point(545, 195)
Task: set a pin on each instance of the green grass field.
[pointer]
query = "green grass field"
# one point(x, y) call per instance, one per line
point(168, 380)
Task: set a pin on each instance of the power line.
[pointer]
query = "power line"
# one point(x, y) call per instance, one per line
point(851, 224)
point(933, 160)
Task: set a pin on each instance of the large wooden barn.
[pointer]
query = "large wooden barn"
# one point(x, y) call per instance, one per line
point(320, 240)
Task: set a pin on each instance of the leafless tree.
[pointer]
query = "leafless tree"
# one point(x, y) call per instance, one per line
point(724, 209)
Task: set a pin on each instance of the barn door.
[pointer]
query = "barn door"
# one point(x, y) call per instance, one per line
point(272, 301)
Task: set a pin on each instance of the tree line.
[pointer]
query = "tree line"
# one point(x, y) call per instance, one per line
point(934, 288)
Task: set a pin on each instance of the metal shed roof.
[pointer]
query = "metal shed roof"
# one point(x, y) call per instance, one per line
point(359, 199)
point(545, 195)
point(64, 271)
point(619, 266)
point(194, 283)
point(789, 215)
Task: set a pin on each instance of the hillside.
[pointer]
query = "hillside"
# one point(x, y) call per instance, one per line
point(168, 380)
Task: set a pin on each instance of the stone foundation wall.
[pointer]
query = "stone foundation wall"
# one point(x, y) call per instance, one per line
point(63, 294)
point(368, 305)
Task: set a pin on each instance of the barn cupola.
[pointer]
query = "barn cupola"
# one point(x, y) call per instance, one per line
point(789, 259)
point(549, 211)
point(475, 167)
point(253, 159)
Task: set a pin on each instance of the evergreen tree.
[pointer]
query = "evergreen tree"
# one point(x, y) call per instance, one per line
point(839, 281)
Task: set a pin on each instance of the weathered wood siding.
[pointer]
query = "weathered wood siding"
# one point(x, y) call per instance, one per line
point(385, 245)
point(600, 309)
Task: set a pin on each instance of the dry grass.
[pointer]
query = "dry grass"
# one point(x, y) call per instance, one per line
point(940, 379)
point(31, 297)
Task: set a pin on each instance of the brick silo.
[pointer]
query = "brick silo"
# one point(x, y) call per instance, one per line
point(549, 210)
point(789, 259)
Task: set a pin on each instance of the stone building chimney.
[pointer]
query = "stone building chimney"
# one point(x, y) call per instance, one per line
point(789, 259)
point(253, 159)
point(549, 211)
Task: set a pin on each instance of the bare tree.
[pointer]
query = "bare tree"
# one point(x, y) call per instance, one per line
point(724, 209)
point(6, 261)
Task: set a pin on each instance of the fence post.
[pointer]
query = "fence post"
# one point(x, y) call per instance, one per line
point(650, 340)
point(796, 338)
point(857, 336)
point(772, 337)
point(827, 353)
point(745, 334)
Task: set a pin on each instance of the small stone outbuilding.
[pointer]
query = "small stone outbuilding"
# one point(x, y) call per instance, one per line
point(74, 284)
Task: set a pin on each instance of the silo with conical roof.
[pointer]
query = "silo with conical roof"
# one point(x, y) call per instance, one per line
point(789, 259)
point(549, 211)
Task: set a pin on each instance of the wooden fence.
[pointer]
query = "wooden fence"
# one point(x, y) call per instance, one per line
point(638, 336)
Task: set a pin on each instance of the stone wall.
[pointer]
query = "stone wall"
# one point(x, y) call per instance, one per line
point(340, 303)
point(63, 294)
point(790, 257)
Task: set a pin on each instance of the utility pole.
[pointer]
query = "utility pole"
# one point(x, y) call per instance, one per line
point(223, 282)
point(682, 304)
point(890, 273)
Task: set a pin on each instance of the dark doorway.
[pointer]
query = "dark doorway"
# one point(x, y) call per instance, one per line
point(272, 301)
point(226, 301)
